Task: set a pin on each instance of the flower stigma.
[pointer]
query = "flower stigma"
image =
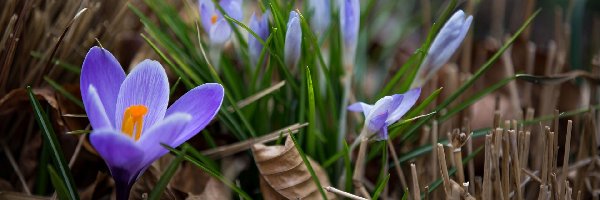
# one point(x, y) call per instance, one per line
point(213, 19)
point(133, 119)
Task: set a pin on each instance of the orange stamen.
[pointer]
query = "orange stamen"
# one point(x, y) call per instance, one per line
point(133, 118)
point(213, 19)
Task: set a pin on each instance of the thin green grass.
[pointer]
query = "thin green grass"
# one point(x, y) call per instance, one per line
point(57, 156)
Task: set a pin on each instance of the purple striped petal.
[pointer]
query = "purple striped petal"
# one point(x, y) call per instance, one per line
point(409, 99)
point(382, 134)
point(383, 107)
point(220, 32)
point(146, 85)
point(203, 103)
point(120, 153)
point(101, 69)
point(95, 111)
point(165, 131)
point(377, 122)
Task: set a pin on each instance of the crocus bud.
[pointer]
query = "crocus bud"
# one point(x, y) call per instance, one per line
point(444, 45)
point(293, 40)
point(320, 18)
point(349, 22)
point(213, 22)
point(260, 26)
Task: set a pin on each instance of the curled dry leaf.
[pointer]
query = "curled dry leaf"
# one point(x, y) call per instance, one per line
point(214, 189)
point(16, 98)
point(284, 175)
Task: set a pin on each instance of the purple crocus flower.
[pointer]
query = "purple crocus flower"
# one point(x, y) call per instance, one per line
point(214, 23)
point(385, 112)
point(443, 46)
point(293, 40)
point(320, 15)
point(260, 26)
point(130, 118)
point(349, 22)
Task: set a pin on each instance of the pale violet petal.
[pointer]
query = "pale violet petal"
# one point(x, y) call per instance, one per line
point(166, 132)
point(202, 103)
point(102, 70)
point(146, 85)
point(95, 111)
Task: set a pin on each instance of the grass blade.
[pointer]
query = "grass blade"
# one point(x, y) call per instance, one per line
point(166, 177)
point(311, 115)
point(55, 149)
point(380, 187)
point(309, 167)
point(61, 190)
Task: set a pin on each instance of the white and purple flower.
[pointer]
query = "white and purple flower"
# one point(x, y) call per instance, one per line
point(385, 111)
point(260, 26)
point(349, 23)
point(293, 40)
point(443, 46)
point(130, 118)
point(214, 23)
point(321, 16)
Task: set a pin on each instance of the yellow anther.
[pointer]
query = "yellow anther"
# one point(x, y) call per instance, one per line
point(213, 19)
point(133, 118)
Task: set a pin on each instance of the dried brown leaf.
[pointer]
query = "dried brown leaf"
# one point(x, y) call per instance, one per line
point(17, 97)
point(214, 189)
point(20, 196)
point(284, 175)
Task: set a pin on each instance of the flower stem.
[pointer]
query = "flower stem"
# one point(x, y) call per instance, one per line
point(123, 188)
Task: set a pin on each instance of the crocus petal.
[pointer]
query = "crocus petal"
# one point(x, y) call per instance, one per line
point(102, 70)
point(207, 10)
point(320, 19)
point(382, 134)
point(360, 107)
point(383, 107)
point(165, 131)
point(95, 110)
point(376, 122)
point(146, 85)
point(120, 153)
point(260, 26)
point(349, 22)
point(203, 103)
point(293, 40)
point(233, 8)
point(409, 99)
point(443, 46)
point(220, 32)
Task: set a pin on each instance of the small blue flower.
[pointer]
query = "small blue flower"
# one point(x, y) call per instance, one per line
point(214, 23)
point(386, 111)
point(321, 16)
point(260, 26)
point(349, 22)
point(293, 40)
point(443, 46)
